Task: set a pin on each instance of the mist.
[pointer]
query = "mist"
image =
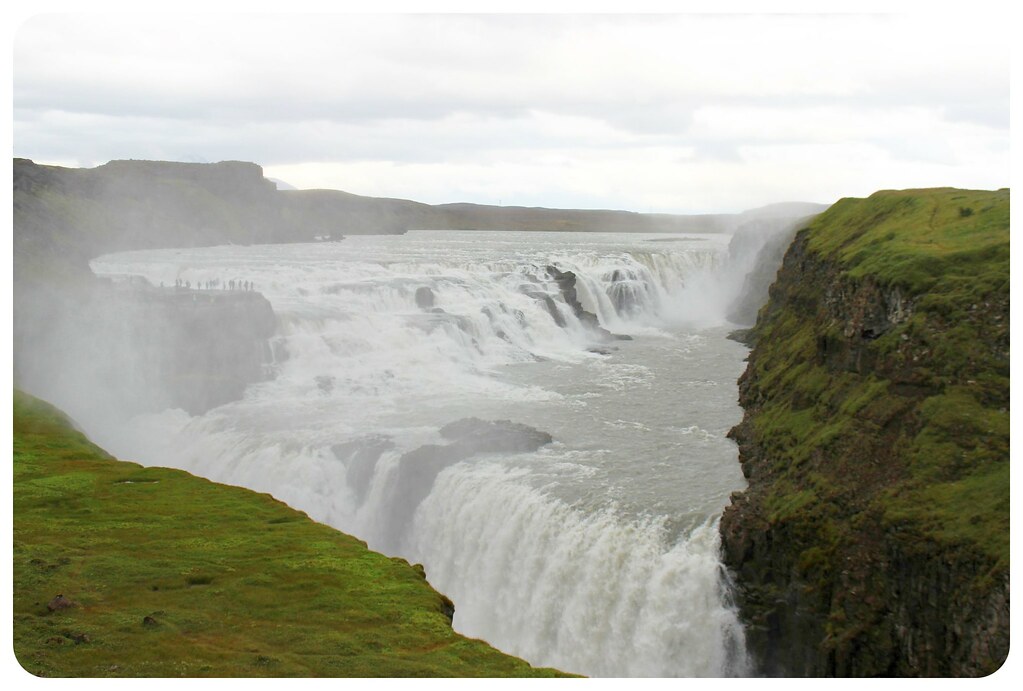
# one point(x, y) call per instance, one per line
point(538, 417)
point(407, 374)
point(485, 298)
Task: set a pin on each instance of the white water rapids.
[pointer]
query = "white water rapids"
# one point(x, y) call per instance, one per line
point(597, 554)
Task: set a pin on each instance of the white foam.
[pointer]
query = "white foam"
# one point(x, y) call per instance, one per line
point(535, 550)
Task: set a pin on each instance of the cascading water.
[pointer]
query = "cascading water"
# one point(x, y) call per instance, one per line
point(595, 553)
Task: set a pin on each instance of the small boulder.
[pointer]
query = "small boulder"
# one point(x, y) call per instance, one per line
point(424, 298)
point(77, 636)
point(60, 602)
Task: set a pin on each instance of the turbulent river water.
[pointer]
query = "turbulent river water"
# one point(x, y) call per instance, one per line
point(596, 554)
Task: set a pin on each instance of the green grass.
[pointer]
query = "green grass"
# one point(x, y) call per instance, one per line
point(235, 583)
point(918, 238)
point(920, 436)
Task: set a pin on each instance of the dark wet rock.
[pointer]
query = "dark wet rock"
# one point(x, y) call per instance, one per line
point(424, 298)
point(473, 435)
point(566, 281)
point(744, 336)
point(447, 608)
point(566, 284)
point(60, 603)
point(599, 351)
point(278, 350)
point(552, 309)
point(360, 457)
point(468, 438)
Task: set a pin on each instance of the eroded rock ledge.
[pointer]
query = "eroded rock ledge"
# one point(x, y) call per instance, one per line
point(130, 349)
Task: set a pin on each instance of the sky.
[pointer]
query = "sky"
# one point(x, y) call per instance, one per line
point(669, 113)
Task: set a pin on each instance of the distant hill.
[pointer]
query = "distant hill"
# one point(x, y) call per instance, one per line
point(281, 185)
point(76, 214)
point(63, 217)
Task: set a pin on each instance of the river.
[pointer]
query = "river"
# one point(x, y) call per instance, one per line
point(597, 553)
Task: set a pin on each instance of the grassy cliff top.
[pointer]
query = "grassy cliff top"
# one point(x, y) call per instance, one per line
point(172, 575)
point(881, 369)
point(918, 238)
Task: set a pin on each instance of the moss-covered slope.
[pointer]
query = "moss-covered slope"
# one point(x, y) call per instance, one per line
point(171, 575)
point(874, 536)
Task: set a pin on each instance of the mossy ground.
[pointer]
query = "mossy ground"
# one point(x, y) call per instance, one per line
point(233, 583)
point(870, 439)
point(948, 458)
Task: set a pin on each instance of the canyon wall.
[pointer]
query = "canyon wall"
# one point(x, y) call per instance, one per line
point(873, 538)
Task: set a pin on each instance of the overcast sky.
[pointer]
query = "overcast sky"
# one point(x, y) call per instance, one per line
point(669, 113)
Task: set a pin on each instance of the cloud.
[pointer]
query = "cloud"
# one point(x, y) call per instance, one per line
point(525, 102)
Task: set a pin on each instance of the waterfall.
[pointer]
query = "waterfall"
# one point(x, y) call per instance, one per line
point(596, 553)
point(593, 592)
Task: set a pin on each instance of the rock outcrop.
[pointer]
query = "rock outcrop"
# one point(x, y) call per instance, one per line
point(756, 250)
point(466, 438)
point(566, 280)
point(120, 350)
point(873, 536)
point(97, 347)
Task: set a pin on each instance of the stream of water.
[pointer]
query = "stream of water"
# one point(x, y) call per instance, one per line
point(597, 553)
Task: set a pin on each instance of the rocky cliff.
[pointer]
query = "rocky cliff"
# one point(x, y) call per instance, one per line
point(756, 251)
point(120, 350)
point(82, 213)
point(102, 349)
point(74, 214)
point(873, 538)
